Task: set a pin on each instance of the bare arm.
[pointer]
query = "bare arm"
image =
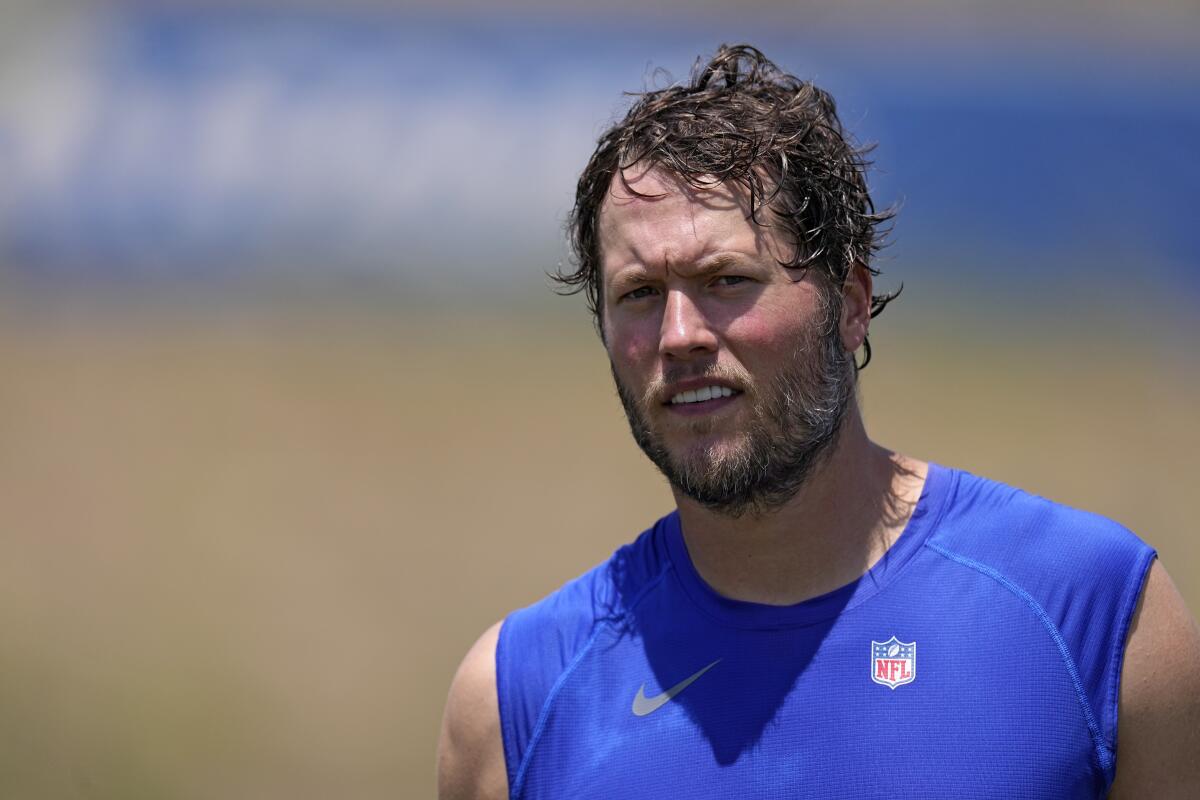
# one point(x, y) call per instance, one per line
point(470, 753)
point(1158, 746)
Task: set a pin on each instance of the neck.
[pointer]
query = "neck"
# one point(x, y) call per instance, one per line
point(833, 530)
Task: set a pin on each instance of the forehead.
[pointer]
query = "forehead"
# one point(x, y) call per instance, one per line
point(659, 220)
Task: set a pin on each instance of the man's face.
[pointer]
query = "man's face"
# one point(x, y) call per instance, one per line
point(732, 370)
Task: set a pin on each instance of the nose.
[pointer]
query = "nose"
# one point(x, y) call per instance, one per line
point(686, 332)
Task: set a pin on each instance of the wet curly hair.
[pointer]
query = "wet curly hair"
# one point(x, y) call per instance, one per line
point(741, 119)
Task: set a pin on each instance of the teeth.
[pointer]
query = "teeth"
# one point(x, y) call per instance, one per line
point(700, 395)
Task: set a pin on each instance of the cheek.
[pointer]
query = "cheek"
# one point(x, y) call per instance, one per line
point(778, 323)
point(630, 345)
point(758, 336)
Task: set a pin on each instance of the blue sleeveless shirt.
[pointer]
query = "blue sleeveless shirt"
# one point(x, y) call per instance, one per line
point(980, 657)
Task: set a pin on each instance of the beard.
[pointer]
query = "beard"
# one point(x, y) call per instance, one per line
point(794, 423)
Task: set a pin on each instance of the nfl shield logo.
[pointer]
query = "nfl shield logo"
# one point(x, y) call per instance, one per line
point(893, 663)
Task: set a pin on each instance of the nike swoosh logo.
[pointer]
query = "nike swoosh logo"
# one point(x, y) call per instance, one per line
point(643, 705)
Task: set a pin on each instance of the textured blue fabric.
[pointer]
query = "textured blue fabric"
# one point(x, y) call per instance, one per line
point(1009, 614)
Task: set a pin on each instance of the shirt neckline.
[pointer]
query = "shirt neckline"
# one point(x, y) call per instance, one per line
point(939, 484)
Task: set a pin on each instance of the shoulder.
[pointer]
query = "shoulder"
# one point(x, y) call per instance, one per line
point(559, 625)
point(470, 755)
point(504, 678)
point(539, 647)
point(1128, 633)
point(1079, 574)
point(1073, 564)
point(1083, 571)
point(1039, 544)
point(1159, 746)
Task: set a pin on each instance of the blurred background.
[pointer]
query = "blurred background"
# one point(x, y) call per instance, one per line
point(290, 413)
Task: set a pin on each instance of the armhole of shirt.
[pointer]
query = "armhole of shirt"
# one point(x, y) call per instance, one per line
point(508, 734)
point(1135, 584)
point(517, 754)
point(523, 718)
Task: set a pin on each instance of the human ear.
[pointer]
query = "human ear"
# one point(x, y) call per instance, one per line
point(856, 307)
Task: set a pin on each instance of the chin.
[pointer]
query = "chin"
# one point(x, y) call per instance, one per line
point(703, 452)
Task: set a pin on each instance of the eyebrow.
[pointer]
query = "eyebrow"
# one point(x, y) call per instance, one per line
point(710, 265)
point(718, 262)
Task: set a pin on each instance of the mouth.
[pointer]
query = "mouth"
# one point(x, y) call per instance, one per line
point(702, 400)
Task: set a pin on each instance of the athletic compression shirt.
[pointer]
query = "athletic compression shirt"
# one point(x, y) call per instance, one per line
point(980, 657)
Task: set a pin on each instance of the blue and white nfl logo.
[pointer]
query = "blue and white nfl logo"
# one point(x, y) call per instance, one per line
point(893, 663)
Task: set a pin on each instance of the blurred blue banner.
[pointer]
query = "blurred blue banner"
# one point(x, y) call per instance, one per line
point(439, 152)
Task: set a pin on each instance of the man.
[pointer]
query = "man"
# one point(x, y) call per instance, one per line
point(821, 617)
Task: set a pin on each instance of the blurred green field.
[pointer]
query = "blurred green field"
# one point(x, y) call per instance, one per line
point(243, 551)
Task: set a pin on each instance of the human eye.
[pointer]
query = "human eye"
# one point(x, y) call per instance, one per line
point(638, 293)
point(729, 280)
